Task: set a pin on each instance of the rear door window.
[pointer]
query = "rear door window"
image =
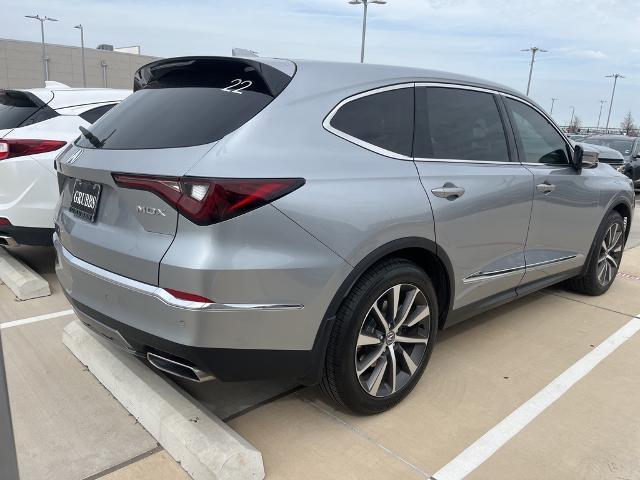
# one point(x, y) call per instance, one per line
point(188, 101)
point(459, 124)
point(94, 114)
point(540, 141)
point(383, 119)
point(19, 109)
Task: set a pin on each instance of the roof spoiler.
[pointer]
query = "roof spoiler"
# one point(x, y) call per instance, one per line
point(202, 72)
point(52, 84)
point(243, 52)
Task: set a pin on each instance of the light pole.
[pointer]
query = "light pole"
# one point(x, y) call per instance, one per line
point(533, 51)
point(553, 101)
point(84, 72)
point(364, 20)
point(45, 69)
point(573, 111)
point(602, 102)
point(615, 77)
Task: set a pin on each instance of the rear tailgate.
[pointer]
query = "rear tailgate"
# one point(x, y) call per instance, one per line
point(180, 109)
point(132, 229)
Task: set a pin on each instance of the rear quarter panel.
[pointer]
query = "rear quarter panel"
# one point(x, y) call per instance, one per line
point(354, 200)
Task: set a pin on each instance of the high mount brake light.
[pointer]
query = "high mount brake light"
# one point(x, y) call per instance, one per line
point(206, 201)
point(10, 148)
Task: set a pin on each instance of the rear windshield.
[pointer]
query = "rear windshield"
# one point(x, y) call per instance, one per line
point(19, 109)
point(186, 102)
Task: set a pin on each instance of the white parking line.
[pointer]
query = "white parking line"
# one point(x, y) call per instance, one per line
point(477, 453)
point(39, 318)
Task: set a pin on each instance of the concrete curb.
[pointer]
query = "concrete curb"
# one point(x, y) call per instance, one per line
point(24, 282)
point(204, 445)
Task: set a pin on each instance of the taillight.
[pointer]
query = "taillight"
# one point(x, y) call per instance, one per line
point(10, 148)
point(205, 201)
point(5, 221)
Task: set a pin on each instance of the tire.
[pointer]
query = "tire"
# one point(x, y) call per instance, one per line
point(359, 335)
point(604, 260)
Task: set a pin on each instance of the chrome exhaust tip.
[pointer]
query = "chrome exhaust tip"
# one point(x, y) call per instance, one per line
point(6, 241)
point(179, 369)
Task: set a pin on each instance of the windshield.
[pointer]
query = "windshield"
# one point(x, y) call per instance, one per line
point(621, 145)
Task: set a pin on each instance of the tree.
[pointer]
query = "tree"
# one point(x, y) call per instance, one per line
point(627, 125)
point(575, 124)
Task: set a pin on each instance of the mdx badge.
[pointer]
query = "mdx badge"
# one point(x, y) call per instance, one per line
point(151, 211)
point(74, 157)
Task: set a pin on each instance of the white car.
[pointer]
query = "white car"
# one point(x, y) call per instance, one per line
point(35, 126)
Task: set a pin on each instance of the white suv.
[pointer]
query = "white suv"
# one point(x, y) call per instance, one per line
point(35, 125)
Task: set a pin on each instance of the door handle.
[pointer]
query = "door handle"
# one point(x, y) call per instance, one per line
point(448, 191)
point(545, 187)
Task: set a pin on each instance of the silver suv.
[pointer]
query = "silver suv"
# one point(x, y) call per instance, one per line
point(253, 218)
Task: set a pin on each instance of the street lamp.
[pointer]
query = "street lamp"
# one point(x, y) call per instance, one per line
point(553, 101)
point(573, 111)
point(602, 102)
point(84, 72)
point(533, 51)
point(364, 20)
point(615, 77)
point(45, 69)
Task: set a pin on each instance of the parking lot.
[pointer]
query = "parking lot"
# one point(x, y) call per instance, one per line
point(67, 426)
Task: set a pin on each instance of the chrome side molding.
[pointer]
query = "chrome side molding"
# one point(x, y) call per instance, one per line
point(480, 276)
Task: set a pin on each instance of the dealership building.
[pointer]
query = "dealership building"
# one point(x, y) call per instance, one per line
point(21, 65)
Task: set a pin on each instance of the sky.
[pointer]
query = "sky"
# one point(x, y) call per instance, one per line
point(586, 39)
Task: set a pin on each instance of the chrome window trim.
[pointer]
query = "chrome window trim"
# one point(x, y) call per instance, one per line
point(481, 276)
point(326, 123)
point(164, 296)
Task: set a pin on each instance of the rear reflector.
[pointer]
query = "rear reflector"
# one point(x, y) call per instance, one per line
point(10, 148)
point(206, 201)
point(4, 221)
point(189, 297)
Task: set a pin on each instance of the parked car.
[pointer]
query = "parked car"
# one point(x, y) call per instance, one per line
point(322, 221)
point(629, 148)
point(34, 126)
point(609, 156)
point(576, 136)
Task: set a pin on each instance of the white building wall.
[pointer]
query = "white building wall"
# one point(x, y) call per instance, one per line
point(21, 65)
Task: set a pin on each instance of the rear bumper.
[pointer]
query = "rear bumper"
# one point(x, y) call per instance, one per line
point(227, 364)
point(234, 342)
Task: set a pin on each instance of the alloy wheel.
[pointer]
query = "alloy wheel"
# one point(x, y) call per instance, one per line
point(392, 340)
point(610, 254)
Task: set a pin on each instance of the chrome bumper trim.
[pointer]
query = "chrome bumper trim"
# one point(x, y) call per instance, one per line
point(161, 294)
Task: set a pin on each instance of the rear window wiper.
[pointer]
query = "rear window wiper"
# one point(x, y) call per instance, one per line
point(95, 141)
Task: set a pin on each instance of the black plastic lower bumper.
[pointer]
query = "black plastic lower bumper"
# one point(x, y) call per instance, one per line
point(227, 364)
point(28, 235)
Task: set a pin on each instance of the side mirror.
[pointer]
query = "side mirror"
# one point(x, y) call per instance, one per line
point(584, 158)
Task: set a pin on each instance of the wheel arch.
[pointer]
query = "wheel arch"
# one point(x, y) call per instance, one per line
point(423, 252)
point(624, 208)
